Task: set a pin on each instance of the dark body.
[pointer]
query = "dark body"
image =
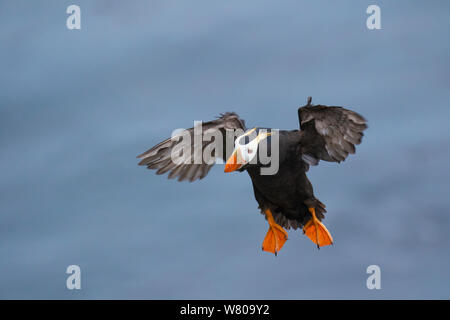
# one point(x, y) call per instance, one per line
point(288, 193)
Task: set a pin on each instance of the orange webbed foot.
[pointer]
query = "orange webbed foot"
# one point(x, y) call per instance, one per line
point(276, 236)
point(316, 231)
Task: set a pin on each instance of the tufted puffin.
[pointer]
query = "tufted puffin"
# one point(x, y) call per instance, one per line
point(285, 195)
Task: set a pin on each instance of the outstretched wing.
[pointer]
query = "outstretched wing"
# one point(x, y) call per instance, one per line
point(188, 167)
point(329, 133)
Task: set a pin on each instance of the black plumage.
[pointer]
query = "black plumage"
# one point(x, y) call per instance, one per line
point(327, 133)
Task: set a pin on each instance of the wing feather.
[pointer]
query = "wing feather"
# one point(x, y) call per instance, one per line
point(329, 133)
point(159, 157)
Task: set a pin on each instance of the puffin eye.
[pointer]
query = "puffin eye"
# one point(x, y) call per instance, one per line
point(250, 150)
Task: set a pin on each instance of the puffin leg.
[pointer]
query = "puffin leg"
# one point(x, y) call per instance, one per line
point(316, 231)
point(276, 236)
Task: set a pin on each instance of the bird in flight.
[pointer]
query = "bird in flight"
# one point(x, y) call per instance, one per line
point(285, 196)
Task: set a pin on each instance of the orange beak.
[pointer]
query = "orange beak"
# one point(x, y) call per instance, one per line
point(232, 162)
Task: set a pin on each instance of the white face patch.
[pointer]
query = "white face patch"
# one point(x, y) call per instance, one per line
point(249, 150)
point(247, 145)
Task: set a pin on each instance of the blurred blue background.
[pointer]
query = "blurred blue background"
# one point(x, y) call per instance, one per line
point(77, 106)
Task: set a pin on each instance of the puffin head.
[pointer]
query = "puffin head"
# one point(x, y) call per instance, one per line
point(245, 149)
